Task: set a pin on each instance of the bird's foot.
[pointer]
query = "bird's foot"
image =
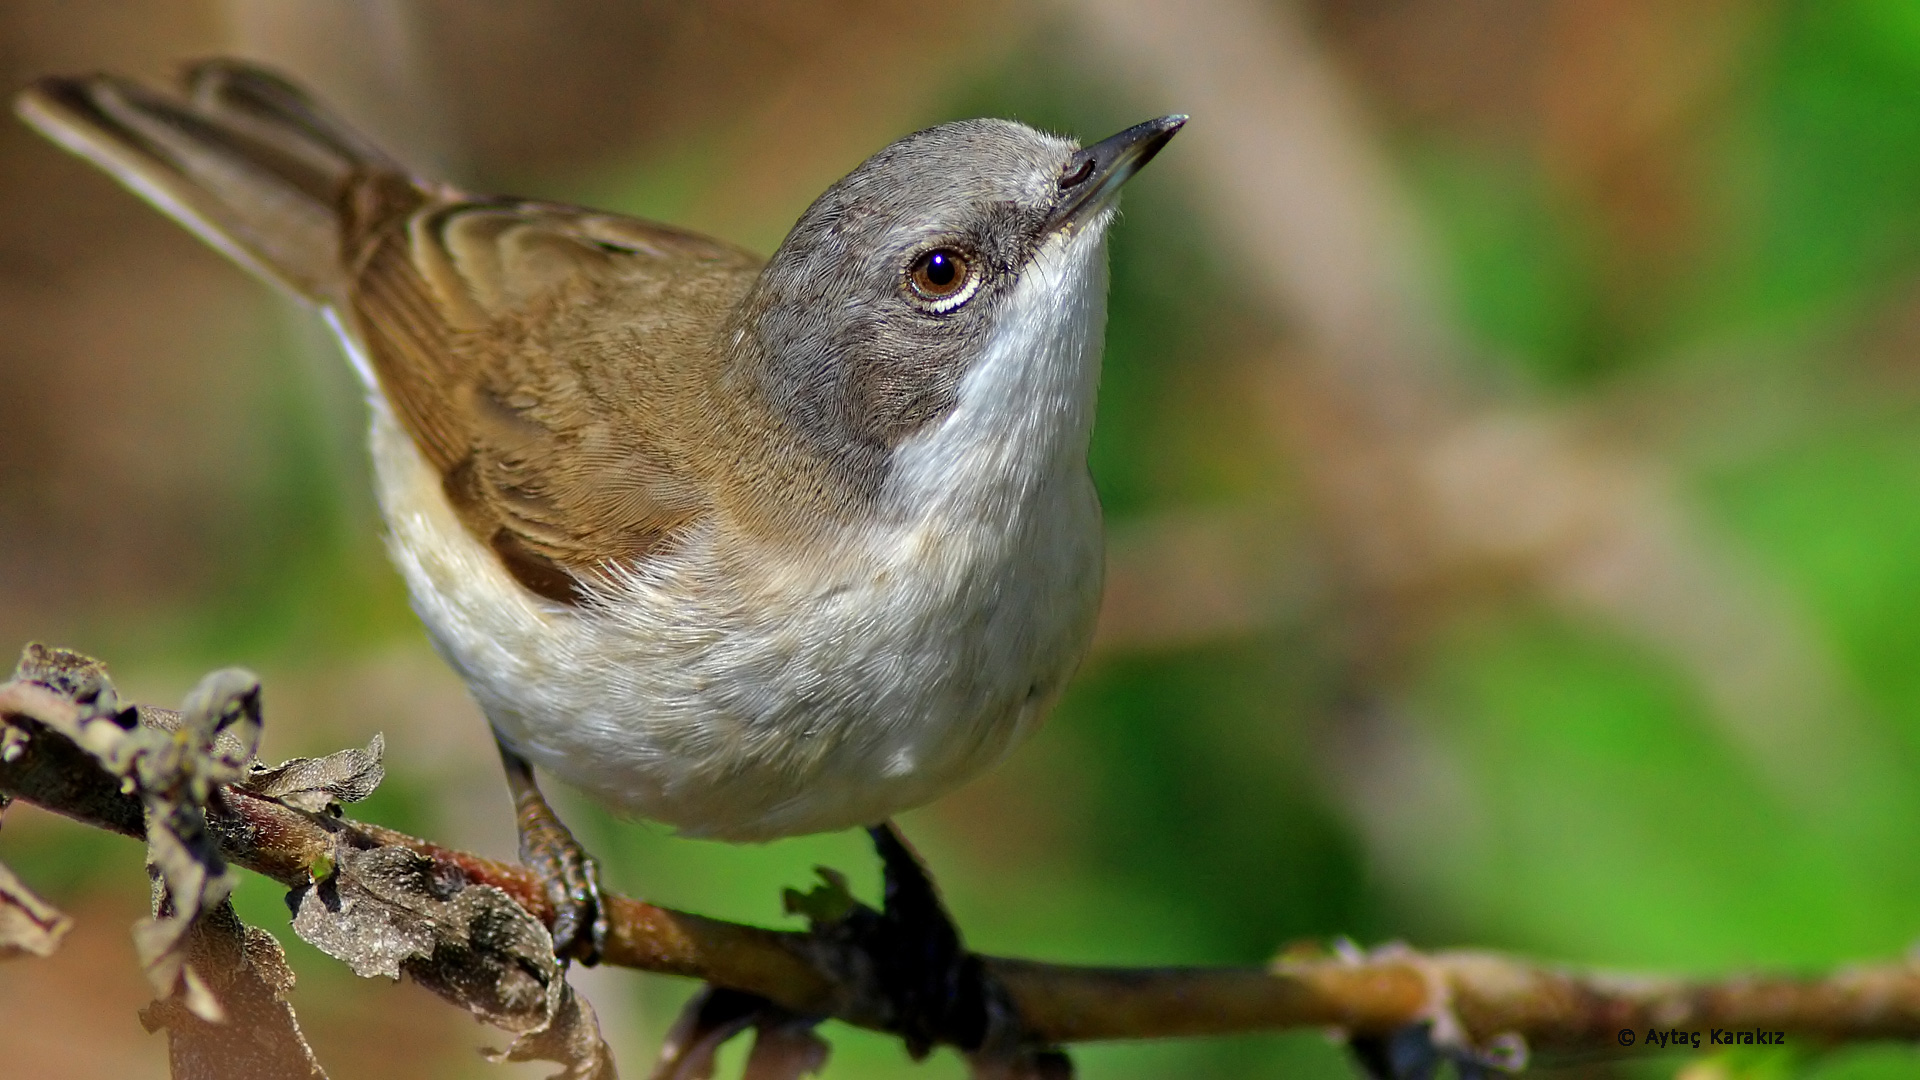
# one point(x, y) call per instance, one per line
point(571, 878)
point(905, 965)
point(937, 989)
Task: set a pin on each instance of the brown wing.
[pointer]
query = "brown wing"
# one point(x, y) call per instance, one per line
point(555, 364)
point(551, 362)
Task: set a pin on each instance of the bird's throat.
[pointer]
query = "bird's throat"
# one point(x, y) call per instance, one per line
point(1024, 413)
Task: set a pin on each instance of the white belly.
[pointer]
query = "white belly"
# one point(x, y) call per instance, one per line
point(737, 698)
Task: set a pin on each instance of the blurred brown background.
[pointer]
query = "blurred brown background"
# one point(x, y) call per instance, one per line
point(1507, 438)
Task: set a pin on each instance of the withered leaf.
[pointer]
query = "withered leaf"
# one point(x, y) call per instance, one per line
point(785, 1049)
point(380, 909)
point(260, 1039)
point(831, 901)
point(784, 1045)
point(74, 676)
point(174, 764)
point(71, 694)
point(315, 784)
point(388, 911)
point(176, 773)
point(28, 924)
point(571, 1036)
point(161, 941)
point(710, 1017)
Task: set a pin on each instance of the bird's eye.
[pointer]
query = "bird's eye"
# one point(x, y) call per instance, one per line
point(943, 278)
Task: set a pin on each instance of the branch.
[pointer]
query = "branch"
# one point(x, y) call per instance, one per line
point(1464, 1002)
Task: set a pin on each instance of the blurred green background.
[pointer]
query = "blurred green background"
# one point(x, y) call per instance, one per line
point(1510, 437)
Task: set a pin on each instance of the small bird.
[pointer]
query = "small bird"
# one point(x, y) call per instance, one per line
point(754, 549)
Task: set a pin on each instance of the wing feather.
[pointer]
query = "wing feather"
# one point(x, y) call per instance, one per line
point(516, 341)
point(556, 365)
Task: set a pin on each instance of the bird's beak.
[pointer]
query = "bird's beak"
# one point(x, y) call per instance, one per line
point(1092, 176)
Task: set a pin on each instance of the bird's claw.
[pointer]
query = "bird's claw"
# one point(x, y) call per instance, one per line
point(937, 988)
point(571, 878)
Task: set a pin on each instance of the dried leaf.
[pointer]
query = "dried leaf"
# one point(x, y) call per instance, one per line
point(571, 1036)
point(831, 901)
point(218, 736)
point(28, 924)
point(176, 772)
point(174, 763)
point(386, 911)
point(74, 676)
point(784, 1045)
point(710, 1017)
point(162, 941)
point(260, 1038)
point(317, 784)
point(785, 1050)
point(381, 909)
point(74, 698)
point(389, 911)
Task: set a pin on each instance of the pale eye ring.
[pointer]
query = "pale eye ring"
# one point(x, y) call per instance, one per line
point(943, 278)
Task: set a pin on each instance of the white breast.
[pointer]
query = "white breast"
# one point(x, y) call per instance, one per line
point(745, 695)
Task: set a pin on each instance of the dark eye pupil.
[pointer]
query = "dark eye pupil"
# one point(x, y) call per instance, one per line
point(940, 275)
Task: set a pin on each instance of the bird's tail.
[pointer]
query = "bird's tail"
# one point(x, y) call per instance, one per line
point(242, 158)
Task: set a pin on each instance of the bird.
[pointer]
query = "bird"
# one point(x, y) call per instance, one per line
point(749, 547)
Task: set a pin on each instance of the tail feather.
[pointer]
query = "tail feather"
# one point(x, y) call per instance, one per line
point(275, 111)
point(244, 160)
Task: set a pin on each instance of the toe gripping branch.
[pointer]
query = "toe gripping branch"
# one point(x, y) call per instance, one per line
point(908, 964)
point(571, 876)
point(938, 989)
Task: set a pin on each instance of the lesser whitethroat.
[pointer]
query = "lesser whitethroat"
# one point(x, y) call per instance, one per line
point(752, 548)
